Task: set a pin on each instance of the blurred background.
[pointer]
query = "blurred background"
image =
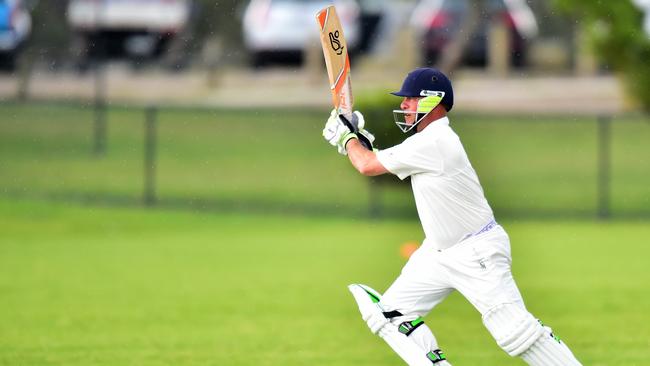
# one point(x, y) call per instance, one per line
point(151, 149)
point(148, 91)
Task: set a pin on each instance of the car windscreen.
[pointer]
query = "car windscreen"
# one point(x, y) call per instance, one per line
point(298, 1)
point(461, 6)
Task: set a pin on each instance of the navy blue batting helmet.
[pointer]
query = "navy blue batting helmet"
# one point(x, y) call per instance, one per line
point(420, 81)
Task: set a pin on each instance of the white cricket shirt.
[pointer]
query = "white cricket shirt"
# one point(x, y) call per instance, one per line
point(448, 195)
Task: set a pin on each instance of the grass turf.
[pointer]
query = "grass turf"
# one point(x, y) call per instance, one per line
point(126, 286)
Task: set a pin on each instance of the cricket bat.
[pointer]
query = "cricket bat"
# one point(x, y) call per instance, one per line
point(337, 61)
point(335, 50)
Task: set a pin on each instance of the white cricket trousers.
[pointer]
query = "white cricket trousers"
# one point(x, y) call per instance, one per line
point(478, 267)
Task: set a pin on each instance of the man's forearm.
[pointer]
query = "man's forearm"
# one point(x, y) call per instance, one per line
point(364, 160)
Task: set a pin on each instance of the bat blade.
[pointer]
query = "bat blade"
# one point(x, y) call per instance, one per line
point(335, 50)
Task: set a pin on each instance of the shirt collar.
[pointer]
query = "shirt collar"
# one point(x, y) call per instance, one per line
point(443, 121)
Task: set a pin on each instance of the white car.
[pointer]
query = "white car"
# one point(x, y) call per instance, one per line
point(15, 28)
point(287, 27)
point(154, 16)
point(131, 27)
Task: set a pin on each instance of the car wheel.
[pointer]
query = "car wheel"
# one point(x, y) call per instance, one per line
point(8, 62)
point(259, 59)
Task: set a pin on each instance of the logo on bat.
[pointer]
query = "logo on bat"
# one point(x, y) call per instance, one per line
point(335, 43)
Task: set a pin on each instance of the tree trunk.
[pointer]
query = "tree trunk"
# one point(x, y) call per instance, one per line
point(453, 52)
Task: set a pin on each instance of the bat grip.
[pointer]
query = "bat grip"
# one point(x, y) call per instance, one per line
point(353, 128)
point(364, 141)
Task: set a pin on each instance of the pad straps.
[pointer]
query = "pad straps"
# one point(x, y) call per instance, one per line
point(405, 328)
point(392, 314)
point(436, 356)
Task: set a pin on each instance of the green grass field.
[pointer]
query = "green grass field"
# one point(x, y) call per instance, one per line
point(93, 285)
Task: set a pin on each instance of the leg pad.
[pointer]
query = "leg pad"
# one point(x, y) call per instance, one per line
point(549, 350)
point(513, 328)
point(395, 336)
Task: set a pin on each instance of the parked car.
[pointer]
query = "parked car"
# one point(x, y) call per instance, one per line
point(15, 28)
point(133, 28)
point(372, 13)
point(281, 30)
point(439, 21)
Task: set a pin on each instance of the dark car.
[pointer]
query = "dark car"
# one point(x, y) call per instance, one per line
point(439, 21)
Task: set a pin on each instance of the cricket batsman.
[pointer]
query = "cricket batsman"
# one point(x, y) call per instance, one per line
point(464, 249)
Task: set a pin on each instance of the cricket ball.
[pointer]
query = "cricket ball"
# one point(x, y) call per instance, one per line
point(406, 249)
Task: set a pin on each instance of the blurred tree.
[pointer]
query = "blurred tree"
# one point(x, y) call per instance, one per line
point(47, 43)
point(453, 52)
point(50, 34)
point(221, 20)
point(615, 27)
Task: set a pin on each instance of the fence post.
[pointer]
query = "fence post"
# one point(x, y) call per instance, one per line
point(604, 162)
point(498, 48)
point(25, 71)
point(100, 102)
point(149, 196)
point(374, 197)
point(99, 146)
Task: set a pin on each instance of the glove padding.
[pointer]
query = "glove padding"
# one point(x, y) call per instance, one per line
point(337, 133)
point(339, 130)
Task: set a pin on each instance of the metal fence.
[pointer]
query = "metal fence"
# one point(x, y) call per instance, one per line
point(275, 161)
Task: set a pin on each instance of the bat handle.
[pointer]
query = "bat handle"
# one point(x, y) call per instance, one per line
point(354, 128)
point(364, 141)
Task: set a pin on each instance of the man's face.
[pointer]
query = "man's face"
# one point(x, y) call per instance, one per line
point(410, 104)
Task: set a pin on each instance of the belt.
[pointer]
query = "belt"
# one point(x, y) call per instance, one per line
point(484, 229)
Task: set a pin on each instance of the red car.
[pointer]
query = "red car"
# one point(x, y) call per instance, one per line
point(439, 21)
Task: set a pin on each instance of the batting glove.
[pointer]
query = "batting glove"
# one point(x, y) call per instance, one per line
point(357, 126)
point(337, 132)
point(370, 138)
